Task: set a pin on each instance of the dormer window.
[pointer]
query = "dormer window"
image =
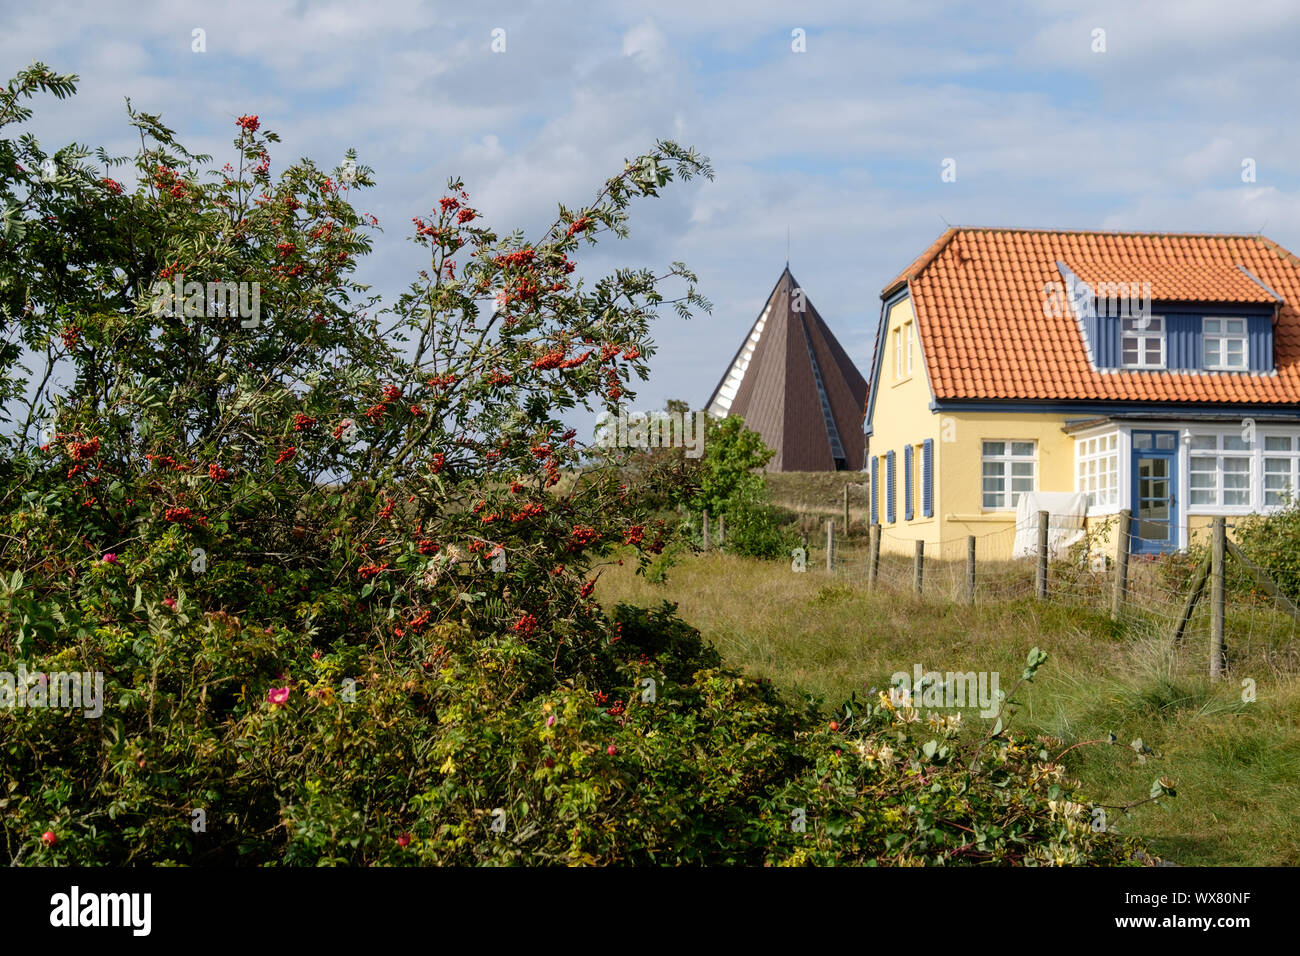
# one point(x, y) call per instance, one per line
point(1225, 343)
point(1142, 341)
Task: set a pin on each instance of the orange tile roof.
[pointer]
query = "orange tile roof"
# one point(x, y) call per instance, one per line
point(979, 300)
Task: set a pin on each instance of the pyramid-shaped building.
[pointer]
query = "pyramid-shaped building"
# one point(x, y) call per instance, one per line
point(793, 384)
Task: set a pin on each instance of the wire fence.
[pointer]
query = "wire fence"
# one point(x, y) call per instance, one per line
point(1235, 603)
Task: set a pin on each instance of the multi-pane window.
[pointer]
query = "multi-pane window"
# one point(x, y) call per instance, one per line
point(1008, 470)
point(909, 334)
point(1097, 461)
point(1142, 341)
point(898, 353)
point(1281, 469)
point(1219, 470)
point(1225, 343)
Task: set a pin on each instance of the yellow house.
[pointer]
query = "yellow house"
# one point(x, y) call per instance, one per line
point(1154, 372)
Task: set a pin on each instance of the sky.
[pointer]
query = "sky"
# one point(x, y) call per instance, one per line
point(834, 121)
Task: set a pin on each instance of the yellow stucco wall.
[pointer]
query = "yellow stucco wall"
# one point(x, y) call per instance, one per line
point(902, 416)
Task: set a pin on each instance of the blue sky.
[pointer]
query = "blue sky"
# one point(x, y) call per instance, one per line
point(843, 143)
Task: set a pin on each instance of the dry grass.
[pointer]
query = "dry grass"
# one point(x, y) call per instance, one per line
point(1235, 763)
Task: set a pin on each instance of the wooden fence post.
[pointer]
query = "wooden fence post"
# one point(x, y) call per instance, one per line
point(970, 569)
point(1040, 580)
point(918, 565)
point(722, 529)
point(846, 511)
point(1218, 596)
point(873, 555)
point(1194, 595)
point(830, 545)
point(1125, 535)
point(706, 531)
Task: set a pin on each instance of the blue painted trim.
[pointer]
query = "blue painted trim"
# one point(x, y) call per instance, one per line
point(1138, 544)
point(878, 359)
point(927, 478)
point(875, 490)
point(1184, 338)
point(1166, 410)
point(889, 487)
point(909, 511)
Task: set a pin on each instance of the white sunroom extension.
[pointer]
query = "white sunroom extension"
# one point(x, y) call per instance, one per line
point(1175, 475)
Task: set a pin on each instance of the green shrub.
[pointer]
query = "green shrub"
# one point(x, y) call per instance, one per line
point(756, 529)
point(1272, 541)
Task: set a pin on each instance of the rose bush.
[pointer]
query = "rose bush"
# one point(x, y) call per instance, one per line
point(337, 562)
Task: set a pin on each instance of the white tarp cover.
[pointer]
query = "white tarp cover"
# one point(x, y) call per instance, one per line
point(1067, 510)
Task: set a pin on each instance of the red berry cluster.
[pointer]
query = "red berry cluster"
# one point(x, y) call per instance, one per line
point(526, 625)
point(302, 422)
point(436, 462)
point(178, 514)
point(84, 450)
point(217, 473)
point(368, 571)
point(531, 510)
point(249, 123)
point(581, 536)
point(287, 454)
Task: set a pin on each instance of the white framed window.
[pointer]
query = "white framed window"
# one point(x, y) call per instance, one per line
point(910, 335)
point(1219, 471)
point(1097, 469)
point(1142, 341)
point(898, 354)
point(1008, 469)
point(1281, 469)
point(1224, 343)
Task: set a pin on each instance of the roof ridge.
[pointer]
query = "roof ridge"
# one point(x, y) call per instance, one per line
point(1113, 232)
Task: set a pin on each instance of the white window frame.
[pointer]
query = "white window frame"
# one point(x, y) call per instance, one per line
point(1222, 337)
point(910, 335)
point(1155, 329)
point(1291, 457)
point(898, 354)
point(1218, 454)
point(1007, 495)
point(1097, 471)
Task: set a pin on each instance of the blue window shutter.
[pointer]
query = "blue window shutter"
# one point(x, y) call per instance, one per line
point(908, 511)
point(875, 490)
point(927, 478)
point(889, 487)
point(1259, 343)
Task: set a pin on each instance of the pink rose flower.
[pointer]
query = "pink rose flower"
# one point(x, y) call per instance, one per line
point(278, 695)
